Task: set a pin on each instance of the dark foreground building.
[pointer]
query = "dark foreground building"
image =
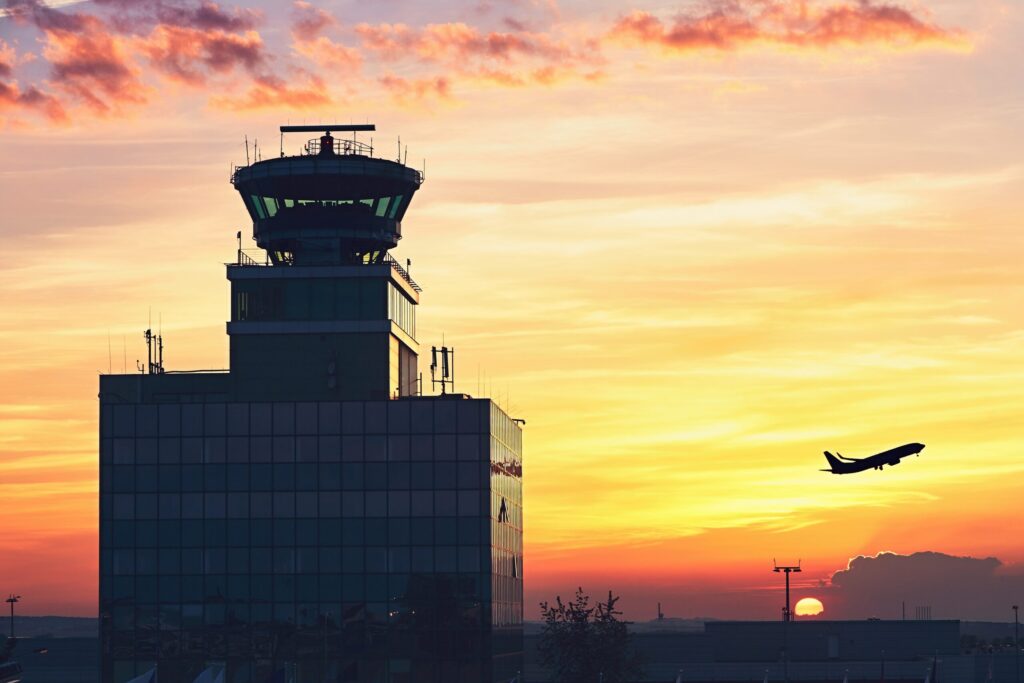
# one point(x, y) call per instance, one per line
point(309, 515)
point(820, 651)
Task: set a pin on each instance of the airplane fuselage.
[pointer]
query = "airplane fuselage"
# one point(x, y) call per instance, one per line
point(840, 465)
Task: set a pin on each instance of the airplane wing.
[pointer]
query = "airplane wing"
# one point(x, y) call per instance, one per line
point(843, 457)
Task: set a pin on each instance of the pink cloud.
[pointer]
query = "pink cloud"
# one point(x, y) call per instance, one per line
point(111, 60)
point(328, 54)
point(459, 41)
point(188, 54)
point(308, 25)
point(308, 22)
point(30, 99)
point(408, 91)
point(733, 24)
point(91, 64)
point(7, 59)
point(272, 92)
point(205, 15)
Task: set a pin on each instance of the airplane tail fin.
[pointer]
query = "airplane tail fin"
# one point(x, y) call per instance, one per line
point(833, 461)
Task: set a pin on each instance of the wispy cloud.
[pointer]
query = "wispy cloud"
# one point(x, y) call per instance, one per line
point(306, 91)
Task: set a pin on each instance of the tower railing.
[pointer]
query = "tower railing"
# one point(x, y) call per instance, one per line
point(247, 261)
point(402, 271)
point(341, 147)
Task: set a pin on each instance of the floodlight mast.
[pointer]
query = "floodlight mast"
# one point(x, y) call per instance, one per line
point(786, 614)
point(12, 599)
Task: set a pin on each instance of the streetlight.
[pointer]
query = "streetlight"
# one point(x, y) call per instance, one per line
point(13, 599)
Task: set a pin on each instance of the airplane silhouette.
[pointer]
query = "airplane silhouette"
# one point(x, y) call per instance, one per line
point(840, 464)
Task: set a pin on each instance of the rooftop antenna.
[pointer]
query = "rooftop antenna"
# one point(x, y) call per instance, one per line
point(148, 334)
point(160, 344)
point(661, 615)
point(110, 354)
point(247, 150)
point(447, 378)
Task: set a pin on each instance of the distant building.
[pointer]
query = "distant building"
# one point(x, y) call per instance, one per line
point(819, 652)
point(309, 515)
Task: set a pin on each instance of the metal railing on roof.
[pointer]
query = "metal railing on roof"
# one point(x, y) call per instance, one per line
point(245, 260)
point(388, 258)
point(341, 147)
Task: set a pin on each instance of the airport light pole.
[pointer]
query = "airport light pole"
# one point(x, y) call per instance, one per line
point(12, 599)
point(786, 617)
point(1016, 639)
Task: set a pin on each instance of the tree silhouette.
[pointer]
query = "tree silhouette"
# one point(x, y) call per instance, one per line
point(584, 644)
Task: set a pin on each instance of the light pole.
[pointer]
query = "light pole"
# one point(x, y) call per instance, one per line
point(786, 616)
point(1016, 639)
point(12, 599)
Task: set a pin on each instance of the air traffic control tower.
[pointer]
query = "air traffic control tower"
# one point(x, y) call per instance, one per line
point(311, 514)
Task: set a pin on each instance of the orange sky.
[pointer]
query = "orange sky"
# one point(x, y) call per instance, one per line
point(692, 247)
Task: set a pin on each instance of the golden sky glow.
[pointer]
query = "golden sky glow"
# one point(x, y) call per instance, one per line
point(692, 255)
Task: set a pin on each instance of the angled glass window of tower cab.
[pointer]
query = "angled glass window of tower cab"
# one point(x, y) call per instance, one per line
point(310, 515)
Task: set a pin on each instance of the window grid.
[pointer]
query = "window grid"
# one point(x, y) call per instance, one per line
point(223, 524)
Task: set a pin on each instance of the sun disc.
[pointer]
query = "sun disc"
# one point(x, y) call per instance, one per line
point(809, 607)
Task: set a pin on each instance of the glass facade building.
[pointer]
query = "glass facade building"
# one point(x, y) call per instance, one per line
point(309, 516)
point(333, 541)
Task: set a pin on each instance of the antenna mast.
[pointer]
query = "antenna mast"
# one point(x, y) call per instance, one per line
point(447, 378)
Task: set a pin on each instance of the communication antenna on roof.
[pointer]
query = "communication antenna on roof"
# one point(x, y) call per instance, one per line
point(148, 334)
point(247, 150)
point(399, 159)
point(447, 377)
point(160, 344)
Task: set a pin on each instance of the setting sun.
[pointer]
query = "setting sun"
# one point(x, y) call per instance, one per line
point(809, 607)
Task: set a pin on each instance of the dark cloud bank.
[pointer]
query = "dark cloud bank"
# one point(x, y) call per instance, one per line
point(954, 587)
